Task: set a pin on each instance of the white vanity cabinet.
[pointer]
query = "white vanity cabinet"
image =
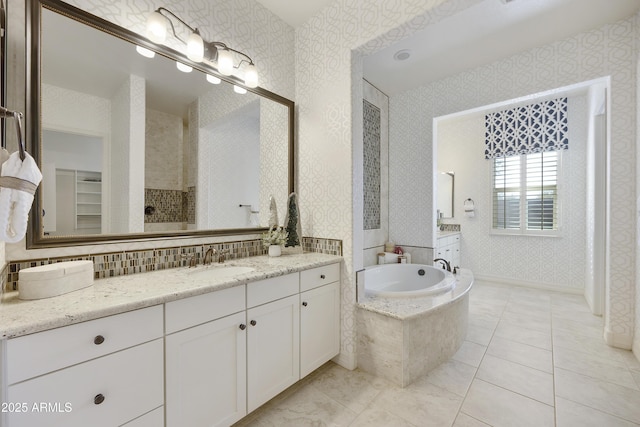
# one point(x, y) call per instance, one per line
point(448, 248)
point(98, 373)
point(206, 359)
point(273, 337)
point(319, 317)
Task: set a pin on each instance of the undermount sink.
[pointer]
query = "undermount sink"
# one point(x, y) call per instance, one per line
point(219, 272)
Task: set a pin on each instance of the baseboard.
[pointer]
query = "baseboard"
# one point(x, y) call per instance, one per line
point(347, 361)
point(527, 284)
point(622, 341)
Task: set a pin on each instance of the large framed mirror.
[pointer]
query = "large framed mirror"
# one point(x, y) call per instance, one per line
point(132, 148)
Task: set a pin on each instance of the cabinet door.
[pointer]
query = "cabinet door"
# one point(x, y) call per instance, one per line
point(273, 349)
point(319, 326)
point(206, 374)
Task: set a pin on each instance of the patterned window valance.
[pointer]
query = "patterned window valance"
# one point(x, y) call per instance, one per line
point(529, 129)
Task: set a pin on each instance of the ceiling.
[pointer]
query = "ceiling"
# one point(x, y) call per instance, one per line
point(481, 34)
point(296, 12)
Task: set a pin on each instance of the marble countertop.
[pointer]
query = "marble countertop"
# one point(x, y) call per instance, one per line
point(446, 233)
point(405, 308)
point(130, 292)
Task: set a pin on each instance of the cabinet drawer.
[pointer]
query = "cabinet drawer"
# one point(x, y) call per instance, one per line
point(154, 418)
point(188, 312)
point(319, 276)
point(264, 291)
point(129, 381)
point(37, 354)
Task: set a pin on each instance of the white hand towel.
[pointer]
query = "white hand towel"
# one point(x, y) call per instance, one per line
point(18, 182)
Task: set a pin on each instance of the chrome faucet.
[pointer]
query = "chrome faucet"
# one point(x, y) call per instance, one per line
point(191, 259)
point(221, 255)
point(445, 264)
point(208, 255)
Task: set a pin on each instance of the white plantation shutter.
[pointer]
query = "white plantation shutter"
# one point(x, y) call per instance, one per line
point(525, 144)
point(542, 191)
point(506, 192)
point(525, 192)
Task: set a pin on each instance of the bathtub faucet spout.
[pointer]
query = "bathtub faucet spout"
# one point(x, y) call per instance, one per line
point(445, 264)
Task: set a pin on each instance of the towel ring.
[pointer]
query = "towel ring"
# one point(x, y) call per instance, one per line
point(17, 116)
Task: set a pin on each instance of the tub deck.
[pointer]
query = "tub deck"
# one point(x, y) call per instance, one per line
point(403, 339)
point(405, 308)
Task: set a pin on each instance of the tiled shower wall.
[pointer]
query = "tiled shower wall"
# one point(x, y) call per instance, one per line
point(170, 205)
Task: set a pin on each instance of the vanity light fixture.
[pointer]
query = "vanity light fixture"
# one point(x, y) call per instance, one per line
point(199, 50)
point(145, 52)
point(183, 67)
point(240, 90)
point(213, 79)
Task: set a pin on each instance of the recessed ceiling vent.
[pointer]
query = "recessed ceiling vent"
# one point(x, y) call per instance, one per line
point(402, 55)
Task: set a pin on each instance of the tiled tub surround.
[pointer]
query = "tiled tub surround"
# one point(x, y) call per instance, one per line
point(113, 264)
point(125, 293)
point(403, 339)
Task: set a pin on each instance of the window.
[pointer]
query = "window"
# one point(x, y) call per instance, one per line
point(525, 192)
point(524, 144)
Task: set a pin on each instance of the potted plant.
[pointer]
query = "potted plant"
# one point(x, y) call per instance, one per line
point(274, 239)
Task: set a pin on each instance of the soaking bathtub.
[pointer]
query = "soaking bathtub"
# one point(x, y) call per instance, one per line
point(411, 318)
point(406, 280)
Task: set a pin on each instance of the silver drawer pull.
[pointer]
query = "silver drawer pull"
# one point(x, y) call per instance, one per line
point(322, 276)
point(242, 326)
point(253, 323)
point(98, 399)
point(98, 340)
point(304, 304)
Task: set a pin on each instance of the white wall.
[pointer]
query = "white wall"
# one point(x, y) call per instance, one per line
point(553, 262)
point(610, 50)
point(126, 204)
point(232, 153)
point(329, 93)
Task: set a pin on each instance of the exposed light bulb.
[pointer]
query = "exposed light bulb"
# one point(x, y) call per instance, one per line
point(183, 67)
point(213, 79)
point(157, 27)
point(240, 90)
point(251, 76)
point(145, 52)
point(225, 62)
point(195, 47)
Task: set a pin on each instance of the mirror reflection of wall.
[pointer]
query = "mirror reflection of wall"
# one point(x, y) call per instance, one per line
point(233, 151)
point(73, 167)
point(445, 193)
point(161, 170)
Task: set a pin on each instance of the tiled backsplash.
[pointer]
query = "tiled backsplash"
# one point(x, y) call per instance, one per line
point(140, 261)
point(450, 227)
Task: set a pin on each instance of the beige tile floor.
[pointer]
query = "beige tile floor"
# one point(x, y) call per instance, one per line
point(531, 358)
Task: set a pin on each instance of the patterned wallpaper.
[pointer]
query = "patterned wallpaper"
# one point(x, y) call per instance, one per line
point(329, 98)
point(610, 50)
point(328, 94)
point(555, 262)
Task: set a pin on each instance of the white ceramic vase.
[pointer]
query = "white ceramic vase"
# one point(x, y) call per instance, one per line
point(275, 250)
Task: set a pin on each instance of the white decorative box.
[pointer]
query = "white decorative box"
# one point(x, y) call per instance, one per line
point(54, 279)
